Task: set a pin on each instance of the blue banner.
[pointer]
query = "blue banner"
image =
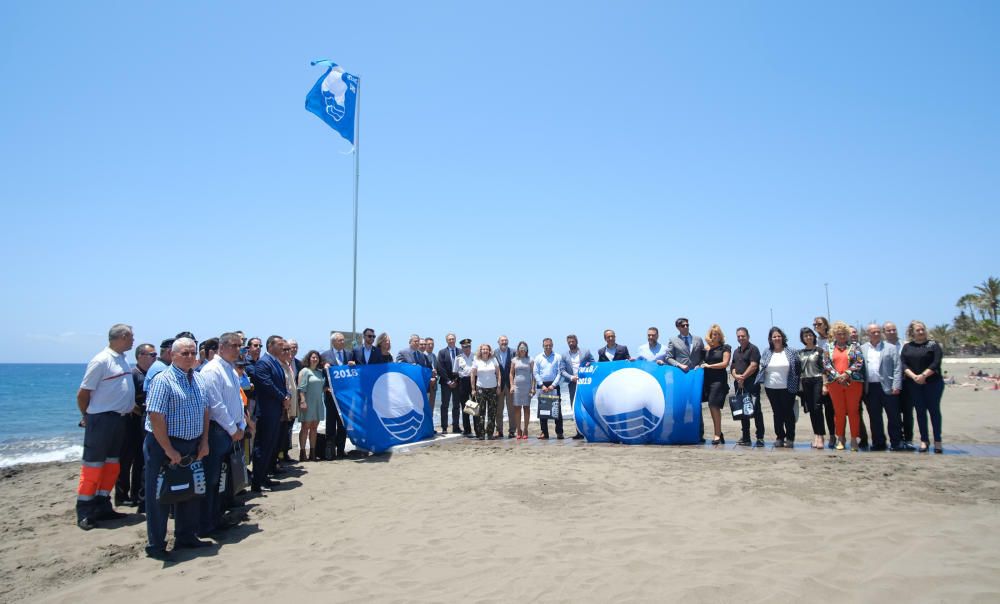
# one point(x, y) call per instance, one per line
point(383, 405)
point(638, 403)
point(334, 99)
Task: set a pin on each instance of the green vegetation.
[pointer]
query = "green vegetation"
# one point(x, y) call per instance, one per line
point(975, 330)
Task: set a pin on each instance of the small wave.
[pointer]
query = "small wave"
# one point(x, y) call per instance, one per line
point(70, 453)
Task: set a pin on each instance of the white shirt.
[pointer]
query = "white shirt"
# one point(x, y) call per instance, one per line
point(776, 374)
point(609, 353)
point(463, 365)
point(222, 388)
point(486, 372)
point(645, 352)
point(109, 379)
point(574, 361)
point(873, 363)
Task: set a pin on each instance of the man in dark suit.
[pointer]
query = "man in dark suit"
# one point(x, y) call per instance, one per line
point(273, 398)
point(427, 347)
point(336, 356)
point(362, 355)
point(573, 359)
point(612, 351)
point(505, 398)
point(448, 378)
point(686, 352)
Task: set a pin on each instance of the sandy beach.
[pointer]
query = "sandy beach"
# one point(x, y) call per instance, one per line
point(557, 521)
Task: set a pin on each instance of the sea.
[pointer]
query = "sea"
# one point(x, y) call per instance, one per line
point(39, 417)
point(38, 413)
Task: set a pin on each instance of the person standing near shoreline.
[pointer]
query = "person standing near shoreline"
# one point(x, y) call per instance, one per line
point(128, 489)
point(106, 396)
point(161, 363)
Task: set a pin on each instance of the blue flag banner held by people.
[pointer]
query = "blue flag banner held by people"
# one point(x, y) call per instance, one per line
point(383, 405)
point(334, 99)
point(638, 403)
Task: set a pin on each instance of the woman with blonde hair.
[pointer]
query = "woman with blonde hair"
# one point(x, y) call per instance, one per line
point(842, 365)
point(382, 352)
point(485, 378)
point(716, 386)
point(920, 359)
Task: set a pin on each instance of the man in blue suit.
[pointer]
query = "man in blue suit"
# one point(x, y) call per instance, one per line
point(273, 398)
point(362, 355)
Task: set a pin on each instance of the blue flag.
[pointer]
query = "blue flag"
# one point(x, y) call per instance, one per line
point(334, 99)
point(638, 402)
point(383, 405)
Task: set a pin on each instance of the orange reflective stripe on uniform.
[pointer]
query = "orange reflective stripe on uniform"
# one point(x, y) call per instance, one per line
point(90, 480)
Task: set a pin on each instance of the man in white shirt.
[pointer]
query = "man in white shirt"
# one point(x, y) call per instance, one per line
point(505, 398)
point(652, 350)
point(106, 395)
point(225, 406)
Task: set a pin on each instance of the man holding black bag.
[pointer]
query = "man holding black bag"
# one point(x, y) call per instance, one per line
point(177, 430)
point(744, 366)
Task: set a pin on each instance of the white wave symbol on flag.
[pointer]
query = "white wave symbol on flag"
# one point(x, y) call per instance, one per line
point(398, 401)
point(631, 403)
point(334, 90)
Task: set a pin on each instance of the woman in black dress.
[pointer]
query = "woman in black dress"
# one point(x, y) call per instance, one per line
point(716, 387)
point(922, 383)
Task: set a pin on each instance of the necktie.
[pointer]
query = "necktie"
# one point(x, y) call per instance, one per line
point(340, 355)
point(687, 341)
point(452, 355)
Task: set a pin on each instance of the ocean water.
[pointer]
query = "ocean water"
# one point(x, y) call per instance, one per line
point(38, 413)
point(39, 417)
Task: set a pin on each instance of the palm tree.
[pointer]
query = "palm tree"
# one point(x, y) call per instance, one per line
point(988, 297)
point(942, 334)
point(968, 303)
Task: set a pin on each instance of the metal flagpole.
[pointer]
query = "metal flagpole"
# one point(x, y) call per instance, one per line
point(357, 147)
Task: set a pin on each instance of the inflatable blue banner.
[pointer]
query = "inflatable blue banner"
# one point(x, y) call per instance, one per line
point(383, 405)
point(638, 403)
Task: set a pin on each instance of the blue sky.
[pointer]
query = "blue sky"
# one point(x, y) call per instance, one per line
point(531, 169)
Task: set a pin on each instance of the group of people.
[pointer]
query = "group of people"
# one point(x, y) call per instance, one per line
point(185, 403)
point(233, 395)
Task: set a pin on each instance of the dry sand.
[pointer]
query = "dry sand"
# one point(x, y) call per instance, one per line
point(557, 521)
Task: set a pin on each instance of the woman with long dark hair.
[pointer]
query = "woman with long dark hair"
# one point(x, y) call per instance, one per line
point(779, 374)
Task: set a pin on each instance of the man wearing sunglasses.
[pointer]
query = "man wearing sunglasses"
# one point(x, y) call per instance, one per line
point(128, 489)
point(686, 352)
point(362, 354)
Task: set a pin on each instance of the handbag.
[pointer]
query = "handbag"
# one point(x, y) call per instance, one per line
point(471, 406)
point(238, 469)
point(549, 406)
point(181, 482)
point(741, 405)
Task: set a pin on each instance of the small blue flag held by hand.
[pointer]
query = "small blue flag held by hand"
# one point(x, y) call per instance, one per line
point(334, 99)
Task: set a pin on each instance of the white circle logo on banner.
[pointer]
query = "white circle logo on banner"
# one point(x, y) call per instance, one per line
point(631, 403)
point(398, 401)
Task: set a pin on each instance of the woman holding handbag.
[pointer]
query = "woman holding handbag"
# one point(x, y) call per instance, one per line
point(842, 364)
point(485, 378)
point(811, 387)
point(779, 374)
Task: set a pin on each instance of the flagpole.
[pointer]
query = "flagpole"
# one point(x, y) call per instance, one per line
point(357, 170)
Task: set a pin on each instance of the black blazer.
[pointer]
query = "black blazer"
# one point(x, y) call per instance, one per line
point(377, 357)
point(358, 355)
point(446, 371)
point(505, 367)
point(269, 386)
point(621, 354)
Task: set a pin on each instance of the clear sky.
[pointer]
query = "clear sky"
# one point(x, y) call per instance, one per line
point(532, 168)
